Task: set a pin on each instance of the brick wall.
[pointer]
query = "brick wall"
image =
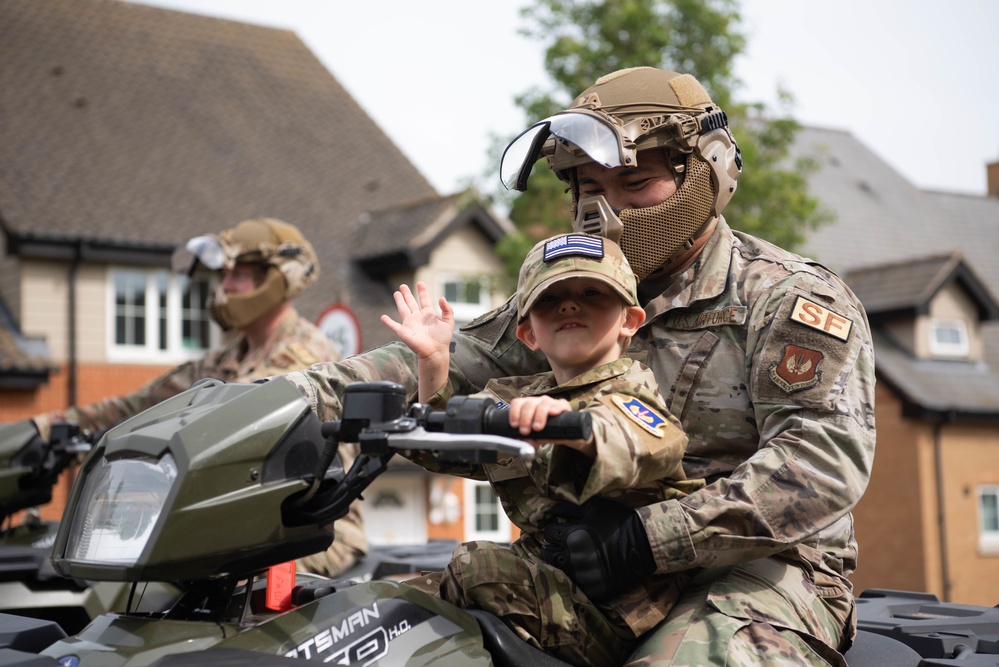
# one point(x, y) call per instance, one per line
point(888, 518)
point(95, 381)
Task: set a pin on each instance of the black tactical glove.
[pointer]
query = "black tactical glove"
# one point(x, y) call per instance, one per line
point(601, 545)
point(20, 445)
point(23, 455)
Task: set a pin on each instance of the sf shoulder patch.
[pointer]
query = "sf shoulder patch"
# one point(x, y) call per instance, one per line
point(641, 414)
point(822, 319)
point(811, 342)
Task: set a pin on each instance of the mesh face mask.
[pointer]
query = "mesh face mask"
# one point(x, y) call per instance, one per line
point(236, 311)
point(650, 237)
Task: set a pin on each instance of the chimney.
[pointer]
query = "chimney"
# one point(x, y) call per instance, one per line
point(992, 178)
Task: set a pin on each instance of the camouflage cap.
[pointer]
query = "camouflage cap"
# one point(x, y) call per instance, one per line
point(574, 256)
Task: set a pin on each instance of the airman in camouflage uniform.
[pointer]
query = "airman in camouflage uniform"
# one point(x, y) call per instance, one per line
point(268, 337)
point(295, 343)
point(579, 305)
point(765, 358)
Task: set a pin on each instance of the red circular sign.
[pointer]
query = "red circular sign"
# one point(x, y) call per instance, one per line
point(340, 325)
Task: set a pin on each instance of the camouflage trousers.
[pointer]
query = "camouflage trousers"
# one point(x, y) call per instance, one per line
point(539, 602)
point(766, 612)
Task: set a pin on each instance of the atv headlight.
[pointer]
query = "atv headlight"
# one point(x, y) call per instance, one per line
point(122, 501)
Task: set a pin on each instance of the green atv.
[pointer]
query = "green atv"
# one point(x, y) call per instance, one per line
point(215, 490)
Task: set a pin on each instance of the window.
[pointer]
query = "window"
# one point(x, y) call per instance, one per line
point(484, 515)
point(988, 519)
point(468, 295)
point(196, 326)
point(157, 317)
point(949, 338)
point(130, 308)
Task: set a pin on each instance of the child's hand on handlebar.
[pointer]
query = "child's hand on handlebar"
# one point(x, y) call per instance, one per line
point(531, 413)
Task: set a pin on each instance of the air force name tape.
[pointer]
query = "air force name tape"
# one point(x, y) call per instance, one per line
point(641, 414)
point(574, 245)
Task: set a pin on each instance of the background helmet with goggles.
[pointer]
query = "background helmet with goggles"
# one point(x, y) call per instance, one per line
point(289, 261)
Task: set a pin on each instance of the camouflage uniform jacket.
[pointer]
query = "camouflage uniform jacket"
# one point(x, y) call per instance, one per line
point(766, 359)
point(638, 462)
point(296, 343)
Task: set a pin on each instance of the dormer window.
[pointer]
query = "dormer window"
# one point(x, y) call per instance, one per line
point(949, 338)
point(468, 295)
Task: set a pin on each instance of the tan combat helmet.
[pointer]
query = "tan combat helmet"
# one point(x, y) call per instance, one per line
point(288, 258)
point(610, 122)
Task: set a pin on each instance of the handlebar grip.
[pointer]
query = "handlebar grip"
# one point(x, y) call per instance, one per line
point(564, 426)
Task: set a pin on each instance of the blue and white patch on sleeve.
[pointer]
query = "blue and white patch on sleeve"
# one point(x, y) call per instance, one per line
point(574, 245)
point(641, 414)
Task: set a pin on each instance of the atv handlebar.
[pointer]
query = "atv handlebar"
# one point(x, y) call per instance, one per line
point(467, 414)
point(30, 466)
point(471, 429)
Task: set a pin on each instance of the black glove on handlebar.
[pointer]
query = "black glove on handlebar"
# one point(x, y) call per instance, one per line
point(601, 545)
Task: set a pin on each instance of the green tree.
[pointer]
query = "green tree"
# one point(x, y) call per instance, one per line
point(589, 38)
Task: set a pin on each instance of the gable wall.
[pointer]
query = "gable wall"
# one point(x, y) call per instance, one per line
point(953, 303)
point(466, 252)
point(45, 309)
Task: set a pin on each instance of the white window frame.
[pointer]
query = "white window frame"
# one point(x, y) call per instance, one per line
point(988, 537)
point(948, 349)
point(149, 352)
point(471, 513)
point(465, 311)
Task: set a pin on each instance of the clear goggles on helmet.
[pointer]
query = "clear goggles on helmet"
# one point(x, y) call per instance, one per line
point(216, 254)
point(591, 132)
point(603, 138)
point(208, 250)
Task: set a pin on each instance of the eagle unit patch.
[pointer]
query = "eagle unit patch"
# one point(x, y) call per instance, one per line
point(641, 414)
point(798, 369)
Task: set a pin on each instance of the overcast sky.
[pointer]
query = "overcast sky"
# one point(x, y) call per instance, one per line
point(914, 80)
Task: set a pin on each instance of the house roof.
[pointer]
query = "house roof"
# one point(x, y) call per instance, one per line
point(889, 230)
point(947, 389)
point(128, 129)
point(908, 287)
point(403, 236)
point(400, 238)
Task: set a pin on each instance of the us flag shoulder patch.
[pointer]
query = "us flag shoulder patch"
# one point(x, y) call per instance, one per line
point(641, 414)
point(574, 245)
